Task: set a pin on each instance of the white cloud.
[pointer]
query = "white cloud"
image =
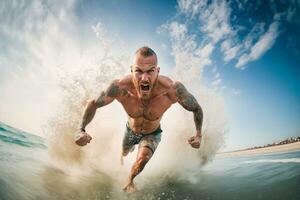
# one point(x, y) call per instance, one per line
point(218, 26)
point(233, 48)
point(230, 50)
point(214, 17)
point(216, 82)
point(177, 31)
point(191, 7)
point(185, 5)
point(190, 57)
point(215, 20)
point(264, 43)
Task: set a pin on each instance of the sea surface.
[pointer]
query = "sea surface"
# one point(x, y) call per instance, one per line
point(25, 173)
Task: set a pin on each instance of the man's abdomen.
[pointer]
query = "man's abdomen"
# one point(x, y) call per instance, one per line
point(142, 125)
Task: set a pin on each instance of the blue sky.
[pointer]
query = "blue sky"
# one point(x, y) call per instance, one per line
point(246, 51)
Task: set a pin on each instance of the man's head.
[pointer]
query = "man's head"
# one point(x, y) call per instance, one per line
point(144, 71)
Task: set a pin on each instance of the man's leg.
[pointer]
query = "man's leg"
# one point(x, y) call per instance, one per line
point(143, 156)
point(129, 140)
point(147, 146)
point(125, 153)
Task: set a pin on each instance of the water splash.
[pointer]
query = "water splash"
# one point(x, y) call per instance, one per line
point(60, 74)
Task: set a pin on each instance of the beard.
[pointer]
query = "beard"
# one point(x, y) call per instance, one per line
point(144, 89)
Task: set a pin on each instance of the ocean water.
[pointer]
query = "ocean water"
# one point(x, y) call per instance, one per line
point(25, 173)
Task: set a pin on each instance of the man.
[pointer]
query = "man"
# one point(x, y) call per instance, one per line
point(145, 96)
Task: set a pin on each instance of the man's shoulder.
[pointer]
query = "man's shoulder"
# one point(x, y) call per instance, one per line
point(170, 86)
point(123, 81)
point(169, 83)
point(165, 81)
point(119, 87)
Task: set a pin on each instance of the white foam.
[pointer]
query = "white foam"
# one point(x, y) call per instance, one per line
point(287, 160)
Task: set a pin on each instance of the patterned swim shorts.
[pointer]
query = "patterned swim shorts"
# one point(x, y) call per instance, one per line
point(150, 140)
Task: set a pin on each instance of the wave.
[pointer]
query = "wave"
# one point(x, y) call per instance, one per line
point(12, 135)
point(287, 160)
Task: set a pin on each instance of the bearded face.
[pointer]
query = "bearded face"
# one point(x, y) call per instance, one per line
point(144, 75)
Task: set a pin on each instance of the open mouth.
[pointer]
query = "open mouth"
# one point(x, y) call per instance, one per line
point(145, 87)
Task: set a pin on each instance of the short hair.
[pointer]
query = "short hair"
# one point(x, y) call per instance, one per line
point(145, 51)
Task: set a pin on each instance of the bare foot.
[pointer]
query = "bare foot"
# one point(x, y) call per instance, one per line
point(130, 187)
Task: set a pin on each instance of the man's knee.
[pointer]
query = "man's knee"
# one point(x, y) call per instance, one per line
point(125, 152)
point(144, 156)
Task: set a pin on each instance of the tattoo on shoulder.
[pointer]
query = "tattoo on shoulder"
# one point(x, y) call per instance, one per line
point(180, 89)
point(115, 91)
point(110, 94)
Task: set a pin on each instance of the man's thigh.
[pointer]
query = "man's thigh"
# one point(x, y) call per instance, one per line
point(151, 142)
point(129, 140)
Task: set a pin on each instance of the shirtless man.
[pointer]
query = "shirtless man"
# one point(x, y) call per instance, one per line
point(145, 96)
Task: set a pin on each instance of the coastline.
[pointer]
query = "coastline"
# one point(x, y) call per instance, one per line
point(265, 150)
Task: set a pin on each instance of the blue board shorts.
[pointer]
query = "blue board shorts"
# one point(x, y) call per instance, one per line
point(150, 140)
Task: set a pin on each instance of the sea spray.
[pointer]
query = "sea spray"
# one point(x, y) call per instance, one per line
point(60, 74)
point(174, 157)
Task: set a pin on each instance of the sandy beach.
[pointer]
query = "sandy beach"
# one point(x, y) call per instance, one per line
point(273, 149)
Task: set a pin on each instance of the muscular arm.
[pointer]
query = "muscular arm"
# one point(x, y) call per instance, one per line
point(188, 101)
point(105, 98)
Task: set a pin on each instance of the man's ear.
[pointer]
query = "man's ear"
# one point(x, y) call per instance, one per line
point(158, 69)
point(131, 68)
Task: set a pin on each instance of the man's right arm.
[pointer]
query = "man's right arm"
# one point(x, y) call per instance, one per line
point(106, 97)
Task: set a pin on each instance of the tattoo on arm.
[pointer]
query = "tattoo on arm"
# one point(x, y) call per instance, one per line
point(105, 98)
point(188, 101)
point(100, 100)
point(88, 115)
point(113, 91)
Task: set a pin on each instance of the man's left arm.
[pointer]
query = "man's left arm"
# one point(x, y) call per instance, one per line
point(188, 101)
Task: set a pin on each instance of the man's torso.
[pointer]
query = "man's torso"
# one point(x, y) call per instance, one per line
point(144, 116)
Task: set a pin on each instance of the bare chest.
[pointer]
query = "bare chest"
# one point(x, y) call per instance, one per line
point(151, 110)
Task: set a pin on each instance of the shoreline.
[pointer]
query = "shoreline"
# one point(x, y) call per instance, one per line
point(264, 150)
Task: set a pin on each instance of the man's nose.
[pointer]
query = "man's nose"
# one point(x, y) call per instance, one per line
point(145, 76)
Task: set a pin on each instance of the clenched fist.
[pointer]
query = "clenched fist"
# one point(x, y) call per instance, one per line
point(82, 138)
point(195, 141)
